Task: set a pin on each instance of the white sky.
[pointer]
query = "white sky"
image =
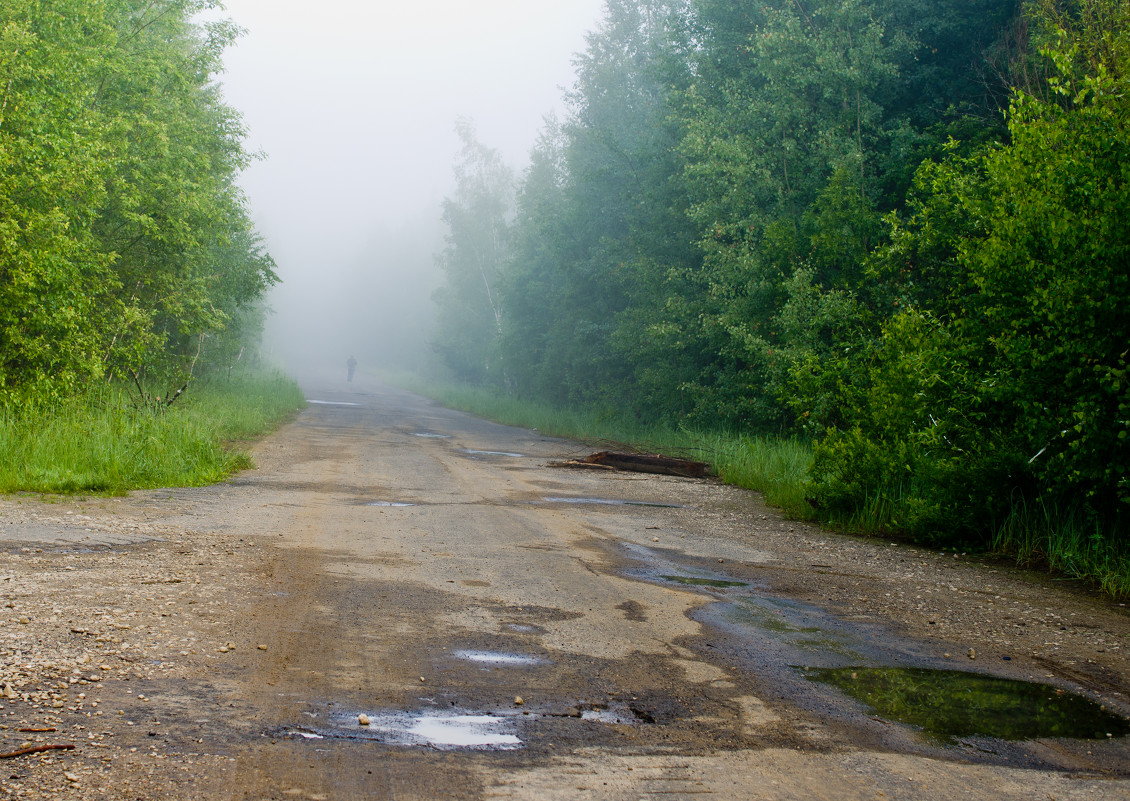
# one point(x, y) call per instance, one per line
point(354, 105)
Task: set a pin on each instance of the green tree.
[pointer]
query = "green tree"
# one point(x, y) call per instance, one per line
point(478, 218)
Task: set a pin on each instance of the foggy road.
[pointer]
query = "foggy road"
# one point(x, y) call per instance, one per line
point(405, 602)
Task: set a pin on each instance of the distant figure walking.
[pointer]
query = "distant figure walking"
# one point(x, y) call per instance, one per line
point(351, 365)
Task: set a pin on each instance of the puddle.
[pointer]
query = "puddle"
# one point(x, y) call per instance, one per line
point(498, 658)
point(388, 503)
point(428, 435)
point(951, 704)
point(613, 502)
point(705, 582)
point(493, 453)
point(465, 731)
point(306, 735)
point(443, 730)
point(332, 403)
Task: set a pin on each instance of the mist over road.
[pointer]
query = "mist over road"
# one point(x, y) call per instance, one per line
point(405, 602)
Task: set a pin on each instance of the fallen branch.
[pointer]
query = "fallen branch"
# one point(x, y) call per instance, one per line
point(35, 749)
point(581, 465)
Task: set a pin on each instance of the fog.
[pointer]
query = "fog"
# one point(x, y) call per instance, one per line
point(353, 106)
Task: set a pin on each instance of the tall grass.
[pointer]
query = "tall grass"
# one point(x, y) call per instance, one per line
point(1062, 540)
point(104, 442)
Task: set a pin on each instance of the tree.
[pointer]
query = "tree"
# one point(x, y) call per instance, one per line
point(478, 218)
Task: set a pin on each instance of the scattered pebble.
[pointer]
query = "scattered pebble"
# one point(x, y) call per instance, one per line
point(363, 719)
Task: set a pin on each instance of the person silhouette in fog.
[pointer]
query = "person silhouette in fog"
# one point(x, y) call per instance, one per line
point(351, 365)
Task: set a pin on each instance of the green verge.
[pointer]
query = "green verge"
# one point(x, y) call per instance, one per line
point(105, 443)
point(1048, 539)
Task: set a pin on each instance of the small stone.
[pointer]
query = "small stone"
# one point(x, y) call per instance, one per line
point(422, 678)
point(518, 700)
point(363, 719)
point(720, 561)
point(70, 777)
point(655, 539)
point(24, 621)
point(223, 649)
point(972, 653)
point(947, 656)
point(262, 647)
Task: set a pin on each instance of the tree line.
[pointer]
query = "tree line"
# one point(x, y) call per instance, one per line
point(898, 228)
point(126, 248)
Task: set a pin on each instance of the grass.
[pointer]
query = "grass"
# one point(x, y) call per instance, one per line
point(103, 443)
point(1063, 541)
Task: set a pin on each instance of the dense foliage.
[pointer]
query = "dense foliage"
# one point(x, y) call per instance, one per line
point(125, 248)
point(898, 227)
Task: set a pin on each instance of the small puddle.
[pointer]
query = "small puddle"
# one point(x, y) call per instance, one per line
point(332, 403)
point(442, 730)
point(613, 502)
point(492, 453)
point(705, 582)
point(429, 435)
point(951, 704)
point(498, 658)
point(388, 503)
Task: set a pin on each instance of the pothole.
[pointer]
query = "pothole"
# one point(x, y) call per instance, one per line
point(430, 435)
point(499, 658)
point(388, 503)
point(953, 704)
point(332, 403)
point(492, 453)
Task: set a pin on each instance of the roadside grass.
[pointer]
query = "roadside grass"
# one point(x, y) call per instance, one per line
point(1049, 537)
point(1042, 538)
point(105, 443)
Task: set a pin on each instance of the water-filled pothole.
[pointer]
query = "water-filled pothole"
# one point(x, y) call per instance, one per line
point(441, 730)
point(332, 403)
point(430, 435)
point(952, 704)
point(612, 502)
point(388, 503)
point(498, 658)
point(492, 453)
point(705, 582)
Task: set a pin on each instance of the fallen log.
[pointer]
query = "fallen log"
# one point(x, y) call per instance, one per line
point(649, 463)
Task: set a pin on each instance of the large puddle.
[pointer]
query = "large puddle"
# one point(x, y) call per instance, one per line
point(901, 679)
point(953, 704)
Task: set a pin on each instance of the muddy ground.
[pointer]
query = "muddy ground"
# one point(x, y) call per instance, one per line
point(403, 602)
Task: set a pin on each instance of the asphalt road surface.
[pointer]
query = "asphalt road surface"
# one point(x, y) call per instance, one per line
point(443, 614)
